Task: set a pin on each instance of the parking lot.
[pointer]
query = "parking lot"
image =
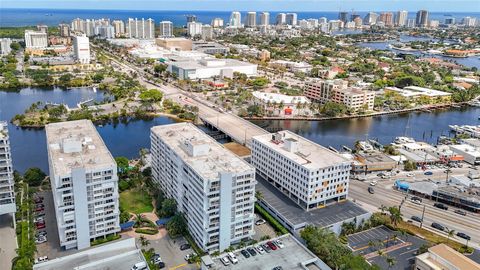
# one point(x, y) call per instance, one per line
point(391, 243)
point(169, 250)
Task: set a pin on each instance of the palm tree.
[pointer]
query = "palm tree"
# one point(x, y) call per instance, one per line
point(450, 233)
point(144, 241)
point(383, 209)
point(391, 262)
point(258, 195)
point(395, 215)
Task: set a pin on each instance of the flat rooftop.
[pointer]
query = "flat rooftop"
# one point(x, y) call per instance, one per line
point(376, 157)
point(190, 64)
point(308, 154)
point(120, 255)
point(218, 159)
point(3, 129)
point(293, 256)
point(455, 259)
point(295, 215)
point(75, 144)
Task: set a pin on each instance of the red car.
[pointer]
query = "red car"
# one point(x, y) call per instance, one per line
point(39, 209)
point(272, 245)
point(40, 225)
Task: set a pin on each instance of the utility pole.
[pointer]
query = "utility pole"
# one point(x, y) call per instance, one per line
point(423, 215)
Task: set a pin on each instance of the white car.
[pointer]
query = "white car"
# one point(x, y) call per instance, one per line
point(225, 261)
point(38, 219)
point(41, 259)
point(373, 183)
point(232, 258)
point(279, 243)
point(410, 174)
point(260, 249)
point(41, 239)
point(260, 222)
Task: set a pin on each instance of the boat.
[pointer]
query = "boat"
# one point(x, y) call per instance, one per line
point(346, 148)
point(403, 140)
point(333, 149)
point(473, 131)
point(94, 89)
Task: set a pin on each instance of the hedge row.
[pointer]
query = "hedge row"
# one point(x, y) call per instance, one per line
point(271, 220)
point(147, 231)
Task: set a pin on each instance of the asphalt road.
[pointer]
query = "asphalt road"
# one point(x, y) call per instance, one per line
point(386, 195)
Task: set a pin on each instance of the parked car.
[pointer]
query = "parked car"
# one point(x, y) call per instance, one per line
point(38, 199)
point(39, 205)
point(277, 268)
point(463, 235)
point(260, 222)
point(232, 257)
point(41, 259)
point(371, 190)
point(410, 174)
point(41, 233)
point(415, 198)
point(279, 243)
point(39, 209)
point(38, 219)
point(40, 239)
point(157, 260)
point(184, 246)
point(266, 248)
point(139, 266)
point(373, 183)
point(40, 214)
point(252, 251)
point(225, 261)
point(438, 226)
point(428, 173)
point(260, 249)
point(40, 225)
point(189, 257)
point(272, 245)
point(245, 253)
point(441, 206)
point(460, 212)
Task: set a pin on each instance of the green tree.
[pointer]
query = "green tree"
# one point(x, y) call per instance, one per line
point(409, 165)
point(15, 46)
point(177, 225)
point(169, 208)
point(151, 95)
point(34, 176)
point(333, 109)
point(395, 215)
point(122, 163)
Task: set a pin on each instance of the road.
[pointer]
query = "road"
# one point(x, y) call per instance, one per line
point(238, 129)
point(386, 195)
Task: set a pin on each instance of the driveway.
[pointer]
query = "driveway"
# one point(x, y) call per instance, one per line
point(8, 242)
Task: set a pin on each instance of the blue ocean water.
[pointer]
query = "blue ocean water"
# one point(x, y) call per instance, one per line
point(51, 17)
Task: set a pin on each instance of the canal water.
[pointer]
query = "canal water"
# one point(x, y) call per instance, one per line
point(472, 61)
point(125, 139)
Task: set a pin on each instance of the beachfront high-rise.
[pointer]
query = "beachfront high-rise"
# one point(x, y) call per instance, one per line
point(251, 20)
point(291, 18)
point(141, 29)
point(235, 19)
point(81, 48)
point(401, 18)
point(83, 176)
point(422, 18)
point(281, 19)
point(35, 39)
point(166, 29)
point(7, 194)
point(264, 19)
point(214, 188)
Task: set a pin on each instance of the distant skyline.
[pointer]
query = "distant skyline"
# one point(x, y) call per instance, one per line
point(243, 5)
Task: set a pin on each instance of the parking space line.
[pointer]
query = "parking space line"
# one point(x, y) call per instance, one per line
point(178, 266)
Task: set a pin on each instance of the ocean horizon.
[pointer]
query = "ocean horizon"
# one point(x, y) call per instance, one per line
point(13, 17)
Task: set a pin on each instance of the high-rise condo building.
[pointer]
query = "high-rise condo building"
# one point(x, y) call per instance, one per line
point(401, 18)
point(78, 25)
point(291, 18)
point(194, 28)
point(83, 176)
point(81, 49)
point(387, 18)
point(42, 28)
point(166, 29)
point(309, 174)
point(5, 46)
point(207, 32)
point(141, 29)
point(281, 19)
point(235, 19)
point(7, 193)
point(370, 18)
point(105, 31)
point(64, 30)
point(251, 20)
point(214, 188)
point(343, 16)
point(469, 21)
point(264, 18)
point(119, 28)
point(217, 23)
point(35, 39)
point(191, 18)
point(422, 18)
point(322, 20)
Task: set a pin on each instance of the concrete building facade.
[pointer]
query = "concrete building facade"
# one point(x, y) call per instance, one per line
point(81, 49)
point(35, 39)
point(83, 176)
point(7, 194)
point(214, 188)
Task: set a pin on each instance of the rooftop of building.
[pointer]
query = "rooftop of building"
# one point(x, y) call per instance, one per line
point(279, 98)
point(459, 191)
point(354, 91)
point(292, 256)
point(412, 91)
point(296, 216)
point(472, 141)
point(209, 62)
point(212, 159)
point(449, 256)
point(120, 255)
point(3, 129)
point(375, 157)
point(75, 144)
point(466, 148)
point(304, 152)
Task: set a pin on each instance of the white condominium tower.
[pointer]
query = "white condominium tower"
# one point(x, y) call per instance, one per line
point(81, 48)
point(83, 175)
point(235, 19)
point(309, 174)
point(7, 194)
point(141, 29)
point(214, 188)
point(401, 18)
point(291, 18)
point(166, 29)
point(119, 27)
point(281, 19)
point(251, 20)
point(264, 19)
point(35, 39)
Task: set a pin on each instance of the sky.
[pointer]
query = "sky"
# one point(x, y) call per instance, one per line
point(243, 5)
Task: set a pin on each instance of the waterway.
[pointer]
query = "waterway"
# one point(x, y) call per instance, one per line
point(28, 146)
point(472, 61)
point(125, 139)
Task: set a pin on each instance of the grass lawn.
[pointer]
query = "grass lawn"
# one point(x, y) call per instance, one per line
point(136, 201)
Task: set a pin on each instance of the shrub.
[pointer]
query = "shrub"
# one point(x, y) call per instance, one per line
point(147, 231)
point(109, 238)
point(271, 220)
